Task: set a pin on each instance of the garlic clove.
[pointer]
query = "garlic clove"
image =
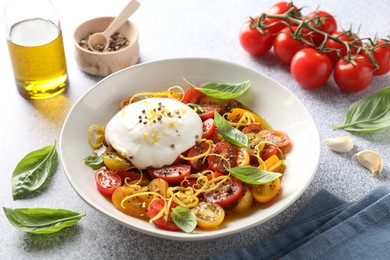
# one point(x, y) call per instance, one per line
point(370, 160)
point(341, 144)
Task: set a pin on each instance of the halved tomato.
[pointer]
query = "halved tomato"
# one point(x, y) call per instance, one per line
point(223, 155)
point(155, 207)
point(208, 215)
point(173, 174)
point(280, 139)
point(208, 110)
point(229, 192)
point(200, 163)
point(208, 128)
point(192, 95)
point(107, 181)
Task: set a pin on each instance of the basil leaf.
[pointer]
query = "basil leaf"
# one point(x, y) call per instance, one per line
point(198, 109)
point(184, 218)
point(368, 115)
point(33, 171)
point(41, 220)
point(222, 90)
point(94, 161)
point(253, 175)
point(228, 132)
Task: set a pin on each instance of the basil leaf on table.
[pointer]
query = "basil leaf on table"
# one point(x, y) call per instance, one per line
point(253, 175)
point(184, 218)
point(41, 220)
point(223, 90)
point(368, 115)
point(33, 170)
point(228, 132)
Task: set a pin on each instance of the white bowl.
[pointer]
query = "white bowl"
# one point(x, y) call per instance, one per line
point(265, 96)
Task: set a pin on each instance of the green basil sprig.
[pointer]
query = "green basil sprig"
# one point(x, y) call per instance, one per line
point(228, 132)
point(41, 220)
point(222, 90)
point(33, 171)
point(253, 175)
point(94, 161)
point(184, 218)
point(368, 115)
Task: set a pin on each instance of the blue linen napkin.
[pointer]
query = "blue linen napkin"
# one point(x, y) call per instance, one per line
point(329, 228)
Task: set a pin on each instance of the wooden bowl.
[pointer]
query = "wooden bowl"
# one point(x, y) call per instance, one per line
point(105, 63)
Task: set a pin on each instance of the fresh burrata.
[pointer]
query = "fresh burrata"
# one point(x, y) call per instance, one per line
point(154, 131)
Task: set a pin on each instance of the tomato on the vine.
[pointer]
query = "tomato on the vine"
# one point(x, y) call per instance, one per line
point(253, 41)
point(281, 8)
point(353, 77)
point(335, 50)
point(311, 68)
point(381, 54)
point(322, 21)
point(286, 44)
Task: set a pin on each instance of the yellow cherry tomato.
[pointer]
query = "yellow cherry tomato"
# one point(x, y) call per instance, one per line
point(208, 215)
point(264, 193)
point(236, 114)
point(135, 206)
point(114, 161)
point(243, 157)
point(245, 202)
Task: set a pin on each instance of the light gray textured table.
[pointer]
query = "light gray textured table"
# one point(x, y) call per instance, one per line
point(168, 29)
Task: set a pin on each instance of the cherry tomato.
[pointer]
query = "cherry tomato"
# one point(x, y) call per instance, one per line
point(286, 45)
point(192, 95)
point(198, 164)
point(229, 192)
point(229, 104)
point(208, 110)
point(243, 157)
point(268, 151)
point(353, 77)
point(173, 174)
point(159, 186)
point(281, 8)
point(252, 128)
point(264, 193)
point(113, 161)
point(223, 155)
point(382, 57)
point(155, 207)
point(208, 128)
point(208, 215)
point(310, 68)
point(335, 47)
point(322, 21)
point(245, 202)
point(135, 206)
point(253, 41)
point(107, 181)
point(280, 139)
point(130, 175)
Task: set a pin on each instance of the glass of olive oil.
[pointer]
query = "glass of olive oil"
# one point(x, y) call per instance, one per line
point(36, 48)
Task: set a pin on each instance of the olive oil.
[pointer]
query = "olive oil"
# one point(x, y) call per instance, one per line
point(38, 59)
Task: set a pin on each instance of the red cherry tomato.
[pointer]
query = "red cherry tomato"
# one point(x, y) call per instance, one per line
point(322, 21)
point(208, 128)
point(382, 57)
point(335, 47)
point(252, 128)
point(198, 164)
point(192, 95)
point(155, 207)
point(107, 181)
point(131, 176)
point(268, 151)
point(209, 109)
point(279, 138)
point(310, 68)
point(226, 194)
point(353, 77)
point(285, 45)
point(281, 8)
point(223, 155)
point(253, 41)
point(173, 174)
